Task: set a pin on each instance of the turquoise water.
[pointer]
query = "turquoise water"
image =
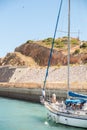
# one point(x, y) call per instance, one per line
point(20, 115)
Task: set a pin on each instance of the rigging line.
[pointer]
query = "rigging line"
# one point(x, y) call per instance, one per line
point(65, 31)
point(52, 44)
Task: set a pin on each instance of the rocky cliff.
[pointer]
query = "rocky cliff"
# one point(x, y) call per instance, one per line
point(40, 52)
point(34, 53)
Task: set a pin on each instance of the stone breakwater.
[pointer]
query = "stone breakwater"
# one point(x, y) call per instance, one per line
point(11, 74)
point(26, 83)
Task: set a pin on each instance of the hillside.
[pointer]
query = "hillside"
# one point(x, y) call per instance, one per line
point(17, 59)
point(34, 53)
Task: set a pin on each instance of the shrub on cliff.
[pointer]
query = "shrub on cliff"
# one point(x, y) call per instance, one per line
point(77, 51)
point(74, 41)
point(48, 41)
point(84, 45)
point(59, 44)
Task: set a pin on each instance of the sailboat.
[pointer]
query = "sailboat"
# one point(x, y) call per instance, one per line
point(72, 111)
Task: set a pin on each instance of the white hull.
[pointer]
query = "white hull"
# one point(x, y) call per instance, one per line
point(70, 119)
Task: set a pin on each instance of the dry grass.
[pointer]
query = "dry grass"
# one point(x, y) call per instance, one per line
point(58, 85)
point(28, 60)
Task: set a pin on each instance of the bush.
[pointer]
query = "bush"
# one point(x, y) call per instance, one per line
point(29, 41)
point(76, 51)
point(59, 43)
point(74, 41)
point(48, 40)
point(84, 45)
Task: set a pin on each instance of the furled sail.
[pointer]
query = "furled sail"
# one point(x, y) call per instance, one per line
point(77, 95)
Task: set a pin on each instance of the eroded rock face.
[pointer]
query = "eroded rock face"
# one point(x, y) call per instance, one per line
point(32, 53)
point(41, 54)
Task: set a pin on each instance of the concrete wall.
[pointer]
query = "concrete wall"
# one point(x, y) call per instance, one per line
point(6, 73)
point(19, 71)
point(37, 74)
point(20, 93)
point(32, 94)
point(25, 83)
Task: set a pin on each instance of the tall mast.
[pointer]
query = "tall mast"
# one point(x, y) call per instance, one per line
point(68, 80)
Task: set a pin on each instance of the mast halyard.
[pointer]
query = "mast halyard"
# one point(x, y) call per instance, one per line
point(68, 80)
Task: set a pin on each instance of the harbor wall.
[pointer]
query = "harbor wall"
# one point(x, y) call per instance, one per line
point(33, 92)
point(26, 83)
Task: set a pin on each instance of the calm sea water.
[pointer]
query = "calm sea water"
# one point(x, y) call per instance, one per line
point(20, 115)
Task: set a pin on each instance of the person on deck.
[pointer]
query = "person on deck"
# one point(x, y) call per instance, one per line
point(53, 100)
